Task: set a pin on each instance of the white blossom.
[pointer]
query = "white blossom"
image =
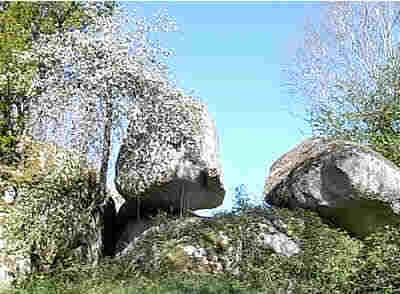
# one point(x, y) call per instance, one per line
point(88, 72)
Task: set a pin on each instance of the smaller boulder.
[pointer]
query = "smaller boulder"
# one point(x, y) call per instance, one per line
point(280, 243)
point(211, 249)
point(350, 184)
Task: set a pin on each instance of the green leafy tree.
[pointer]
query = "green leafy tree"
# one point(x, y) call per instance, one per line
point(345, 74)
point(379, 123)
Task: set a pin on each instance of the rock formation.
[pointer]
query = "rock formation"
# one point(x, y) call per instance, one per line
point(349, 184)
point(210, 249)
point(192, 195)
point(177, 141)
point(170, 160)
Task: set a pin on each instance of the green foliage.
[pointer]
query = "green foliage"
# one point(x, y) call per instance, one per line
point(53, 209)
point(7, 149)
point(183, 283)
point(386, 137)
point(373, 118)
point(330, 262)
point(381, 114)
point(380, 261)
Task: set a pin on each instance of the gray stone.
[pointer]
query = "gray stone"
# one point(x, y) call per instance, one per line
point(281, 168)
point(280, 243)
point(177, 162)
point(11, 265)
point(171, 197)
point(350, 184)
point(175, 196)
point(88, 246)
point(222, 254)
point(10, 195)
point(99, 240)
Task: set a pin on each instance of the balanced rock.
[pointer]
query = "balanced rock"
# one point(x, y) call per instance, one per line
point(128, 226)
point(350, 184)
point(172, 198)
point(170, 157)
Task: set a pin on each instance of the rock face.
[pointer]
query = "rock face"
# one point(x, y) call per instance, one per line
point(352, 185)
point(149, 160)
point(212, 249)
point(281, 168)
point(10, 264)
point(171, 162)
point(180, 194)
point(171, 197)
point(128, 227)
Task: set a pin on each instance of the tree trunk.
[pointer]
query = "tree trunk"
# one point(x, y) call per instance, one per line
point(84, 162)
point(106, 144)
point(102, 207)
point(137, 208)
point(182, 204)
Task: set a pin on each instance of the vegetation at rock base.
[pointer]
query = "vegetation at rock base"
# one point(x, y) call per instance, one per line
point(241, 198)
point(331, 262)
point(54, 189)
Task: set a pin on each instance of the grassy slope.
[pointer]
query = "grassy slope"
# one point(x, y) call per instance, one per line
point(331, 262)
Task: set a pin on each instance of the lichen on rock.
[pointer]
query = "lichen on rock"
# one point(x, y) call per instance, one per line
point(206, 245)
point(171, 139)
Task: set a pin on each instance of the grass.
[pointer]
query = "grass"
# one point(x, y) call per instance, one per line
point(171, 285)
point(331, 262)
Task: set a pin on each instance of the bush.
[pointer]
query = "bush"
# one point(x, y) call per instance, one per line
point(53, 209)
point(380, 260)
point(328, 257)
point(331, 261)
point(7, 150)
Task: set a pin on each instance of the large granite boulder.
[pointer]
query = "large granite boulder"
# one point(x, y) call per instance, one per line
point(25, 190)
point(350, 184)
point(169, 152)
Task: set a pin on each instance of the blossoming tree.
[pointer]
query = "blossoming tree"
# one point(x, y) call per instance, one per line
point(89, 81)
point(22, 23)
point(92, 80)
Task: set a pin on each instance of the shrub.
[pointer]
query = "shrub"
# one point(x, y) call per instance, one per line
point(330, 261)
point(53, 209)
point(380, 261)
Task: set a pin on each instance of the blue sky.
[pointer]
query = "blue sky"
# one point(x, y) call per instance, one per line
point(231, 54)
